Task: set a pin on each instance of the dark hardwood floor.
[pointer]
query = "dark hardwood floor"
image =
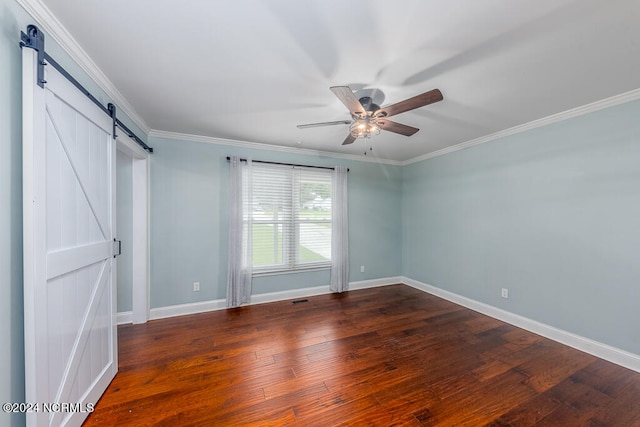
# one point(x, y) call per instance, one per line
point(384, 356)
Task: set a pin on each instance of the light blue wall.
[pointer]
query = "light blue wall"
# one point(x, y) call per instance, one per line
point(124, 226)
point(189, 220)
point(11, 306)
point(552, 214)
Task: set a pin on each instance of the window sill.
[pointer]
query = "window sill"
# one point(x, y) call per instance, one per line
point(290, 271)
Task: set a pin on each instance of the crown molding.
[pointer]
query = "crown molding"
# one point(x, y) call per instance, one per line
point(48, 22)
point(269, 147)
point(623, 98)
point(54, 28)
point(633, 95)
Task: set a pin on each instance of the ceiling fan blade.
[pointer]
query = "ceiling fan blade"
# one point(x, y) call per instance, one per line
point(410, 104)
point(314, 125)
point(349, 140)
point(345, 94)
point(397, 127)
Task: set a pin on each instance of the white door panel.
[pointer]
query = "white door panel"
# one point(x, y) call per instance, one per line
point(69, 223)
point(73, 258)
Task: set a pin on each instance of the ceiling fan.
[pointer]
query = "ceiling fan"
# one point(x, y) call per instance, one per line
point(368, 119)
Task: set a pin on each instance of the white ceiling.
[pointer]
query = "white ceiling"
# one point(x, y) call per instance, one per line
point(249, 70)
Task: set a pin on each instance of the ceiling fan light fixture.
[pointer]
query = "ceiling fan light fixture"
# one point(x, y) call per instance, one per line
point(368, 119)
point(365, 127)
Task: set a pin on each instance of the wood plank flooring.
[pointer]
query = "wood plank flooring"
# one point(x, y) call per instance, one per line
point(384, 356)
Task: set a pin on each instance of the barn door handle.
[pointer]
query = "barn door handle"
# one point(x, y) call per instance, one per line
point(117, 247)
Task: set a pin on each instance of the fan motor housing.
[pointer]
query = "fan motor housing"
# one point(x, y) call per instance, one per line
point(367, 104)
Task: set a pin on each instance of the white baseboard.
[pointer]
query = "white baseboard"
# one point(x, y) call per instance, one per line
point(184, 309)
point(124, 317)
point(603, 351)
point(373, 283)
point(321, 290)
point(290, 294)
point(220, 304)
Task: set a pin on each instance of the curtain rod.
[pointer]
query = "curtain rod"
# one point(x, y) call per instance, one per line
point(287, 164)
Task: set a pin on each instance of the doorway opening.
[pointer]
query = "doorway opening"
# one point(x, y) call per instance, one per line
point(132, 225)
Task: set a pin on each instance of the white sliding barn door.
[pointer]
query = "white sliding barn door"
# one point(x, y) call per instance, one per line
point(69, 268)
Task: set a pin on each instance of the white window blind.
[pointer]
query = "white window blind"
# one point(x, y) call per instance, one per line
point(291, 213)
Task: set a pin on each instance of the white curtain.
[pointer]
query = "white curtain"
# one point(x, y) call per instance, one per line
point(339, 231)
point(240, 245)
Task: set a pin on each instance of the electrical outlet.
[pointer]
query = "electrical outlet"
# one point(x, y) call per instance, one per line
point(505, 293)
point(362, 269)
point(196, 286)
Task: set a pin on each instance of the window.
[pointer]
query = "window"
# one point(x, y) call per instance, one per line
point(291, 215)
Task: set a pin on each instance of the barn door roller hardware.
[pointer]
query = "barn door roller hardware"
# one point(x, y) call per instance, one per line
point(34, 39)
point(112, 113)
